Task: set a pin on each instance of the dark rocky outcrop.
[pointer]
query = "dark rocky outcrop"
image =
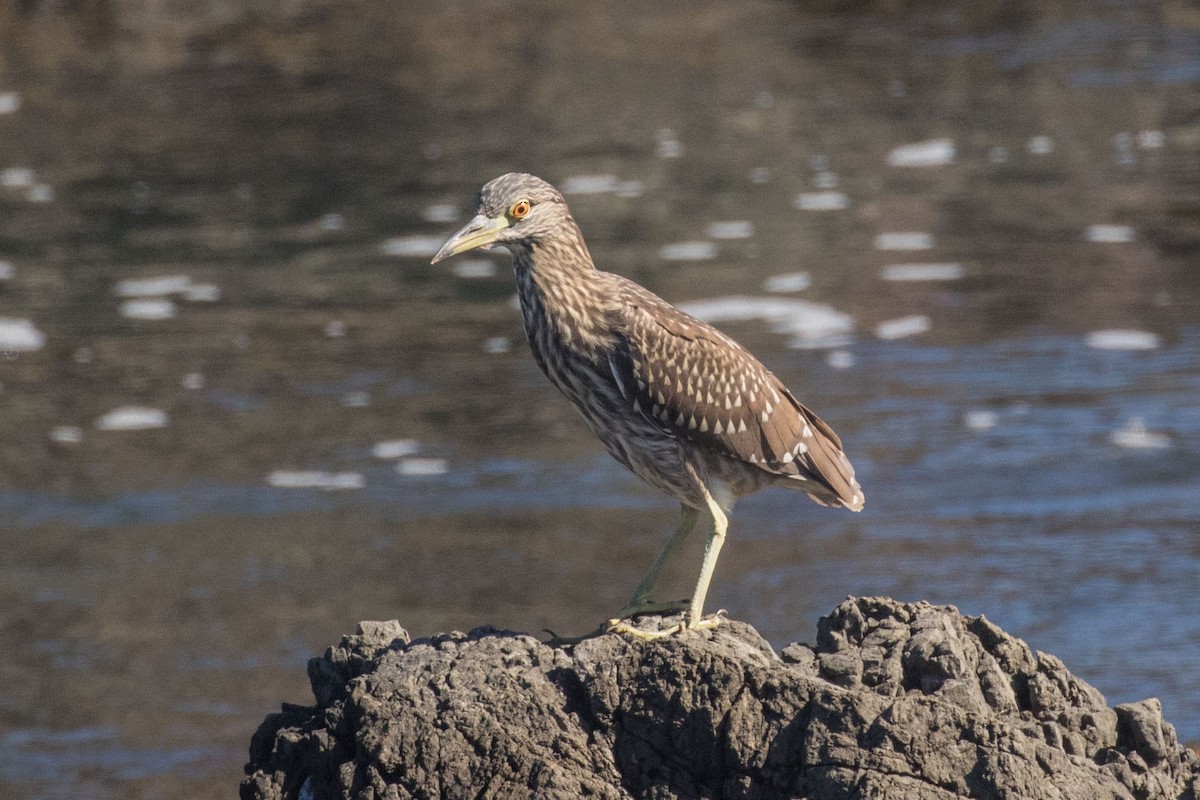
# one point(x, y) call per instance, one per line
point(896, 700)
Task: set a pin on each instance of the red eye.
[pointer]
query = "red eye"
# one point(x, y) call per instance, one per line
point(519, 209)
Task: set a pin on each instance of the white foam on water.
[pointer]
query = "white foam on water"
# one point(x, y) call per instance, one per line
point(998, 154)
point(415, 246)
point(931, 153)
point(688, 251)
point(20, 336)
point(66, 434)
point(826, 180)
point(335, 329)
point(1151, 140)
point(668, 145)
point(202, 293)
point(1109, 234)
point(839, 359)
point(332, 222)
point(192, 381)
point(7, 270)
point(904, 240)
point(10, 102)
point(158, 286)
point(148, 308)
point(760, 175)
point(396, 448)
point(631, 189)
point(922, 272)
point(903, 327)
point(316, 479)
point(787, 282)
point(1040, 145)
point(821, 201)
point(811, 324)
point(474, 268)
point(1123, 339)
point(980, 419)
point(17, 178)
point(133, 418)
point(417, 467)
point(356, 400)
point(731, 229)
point(590, 184)
point(497, 345)
point(1123, 145)
point(440, 213)
point(1134, 436)
point(40, 193)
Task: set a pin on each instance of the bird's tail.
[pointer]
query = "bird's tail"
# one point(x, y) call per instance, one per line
point(832, 467)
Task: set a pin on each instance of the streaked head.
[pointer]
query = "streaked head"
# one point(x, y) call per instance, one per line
point(514, 210)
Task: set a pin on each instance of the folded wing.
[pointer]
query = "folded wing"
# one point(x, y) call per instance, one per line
point(698, 383)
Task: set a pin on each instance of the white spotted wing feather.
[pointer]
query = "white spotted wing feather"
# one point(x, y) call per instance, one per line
point(698, 383)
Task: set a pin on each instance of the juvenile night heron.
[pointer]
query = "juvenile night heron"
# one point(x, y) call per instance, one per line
point(680, 404)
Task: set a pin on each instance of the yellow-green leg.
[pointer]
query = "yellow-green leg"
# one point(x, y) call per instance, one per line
point(640, 603)
point(712, 549)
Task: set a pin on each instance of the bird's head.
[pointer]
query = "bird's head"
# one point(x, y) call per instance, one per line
point(514, 210)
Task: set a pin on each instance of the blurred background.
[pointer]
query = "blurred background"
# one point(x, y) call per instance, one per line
point(240, 411)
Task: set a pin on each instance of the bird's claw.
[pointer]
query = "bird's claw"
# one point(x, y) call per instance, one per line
point(624, 625)
point(711, 622)
point(639, 606)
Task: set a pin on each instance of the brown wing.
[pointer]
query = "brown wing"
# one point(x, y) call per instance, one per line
point(697, 382)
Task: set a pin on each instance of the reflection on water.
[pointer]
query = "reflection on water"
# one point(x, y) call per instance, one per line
point(241, 411)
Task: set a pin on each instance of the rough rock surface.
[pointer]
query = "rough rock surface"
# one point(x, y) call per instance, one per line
point(896, 701)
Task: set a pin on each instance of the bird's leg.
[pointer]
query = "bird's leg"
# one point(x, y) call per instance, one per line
point(712, 549)
point(640, 603)
point(694, 620)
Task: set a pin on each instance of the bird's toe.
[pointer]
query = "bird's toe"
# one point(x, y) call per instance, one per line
point(647, 634)
point(711, 622)
point(638, 607)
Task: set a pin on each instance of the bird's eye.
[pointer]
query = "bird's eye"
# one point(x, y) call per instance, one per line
point(519, 209)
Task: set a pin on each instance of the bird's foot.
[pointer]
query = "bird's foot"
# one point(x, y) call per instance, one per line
point(711, 622)
point(639, 606)
point(708, 623)
point(648, 634)
point(626, 623)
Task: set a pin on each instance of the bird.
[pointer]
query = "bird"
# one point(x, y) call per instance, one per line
point(677, 402)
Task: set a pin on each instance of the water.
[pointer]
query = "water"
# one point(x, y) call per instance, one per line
point(324, 428)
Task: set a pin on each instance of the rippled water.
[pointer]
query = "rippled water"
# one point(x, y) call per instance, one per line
point(241, 411)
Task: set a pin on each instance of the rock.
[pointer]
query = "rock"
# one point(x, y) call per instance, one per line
point(896, 700)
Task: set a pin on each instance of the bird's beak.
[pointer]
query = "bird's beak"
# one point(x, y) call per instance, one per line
point(479, 232)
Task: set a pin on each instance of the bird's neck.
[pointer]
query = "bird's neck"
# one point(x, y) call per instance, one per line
point(562, 294)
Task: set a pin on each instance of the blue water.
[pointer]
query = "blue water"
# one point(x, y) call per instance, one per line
point(68, 757)
point(1090, 550)
point(158, 571)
